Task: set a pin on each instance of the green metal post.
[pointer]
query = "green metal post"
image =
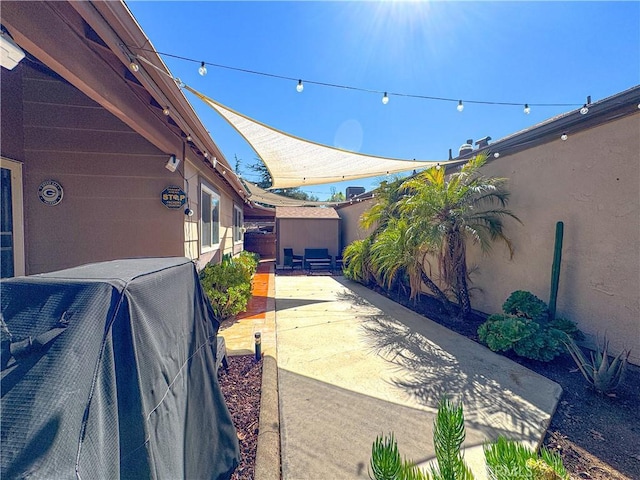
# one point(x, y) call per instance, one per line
point(555, 270)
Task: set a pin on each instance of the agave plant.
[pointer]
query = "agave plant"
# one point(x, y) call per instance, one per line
point(602, 373)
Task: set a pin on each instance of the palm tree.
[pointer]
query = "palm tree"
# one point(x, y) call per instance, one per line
point(395, 246)
point(465, 206)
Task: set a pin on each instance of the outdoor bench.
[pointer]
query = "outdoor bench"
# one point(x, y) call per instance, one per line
point(317, 258)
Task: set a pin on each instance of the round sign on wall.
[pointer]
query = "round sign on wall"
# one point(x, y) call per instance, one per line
point(50, 192)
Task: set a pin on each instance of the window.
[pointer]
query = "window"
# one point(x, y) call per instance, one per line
point(210, 219)
point(238, 223)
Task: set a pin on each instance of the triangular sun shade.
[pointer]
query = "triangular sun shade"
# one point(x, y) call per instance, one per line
point(264, 197)
point(295, 162)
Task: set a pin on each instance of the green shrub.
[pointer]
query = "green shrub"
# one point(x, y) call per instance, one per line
point(525, 328)
point(568, 327)
point(525, 304)
point(228, 284)
point(500, 332)
point(528, 339)
point(505, 459)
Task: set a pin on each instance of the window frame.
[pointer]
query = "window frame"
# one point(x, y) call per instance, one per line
point(238, 223)
point(213, 195)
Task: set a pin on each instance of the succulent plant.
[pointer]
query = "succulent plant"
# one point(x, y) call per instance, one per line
point(603, 373)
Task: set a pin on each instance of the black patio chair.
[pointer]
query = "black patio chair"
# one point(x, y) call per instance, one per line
point(291, 260)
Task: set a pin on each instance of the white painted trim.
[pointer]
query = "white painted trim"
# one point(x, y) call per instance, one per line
point(214, 194)
point(17, 200)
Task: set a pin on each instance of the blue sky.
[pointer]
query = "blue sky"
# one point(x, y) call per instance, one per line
point(523, 52)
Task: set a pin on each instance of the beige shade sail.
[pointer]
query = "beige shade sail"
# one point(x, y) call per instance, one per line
point(295, 162)
point(259, 195)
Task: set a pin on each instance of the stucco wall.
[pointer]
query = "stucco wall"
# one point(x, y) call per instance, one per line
point(591, 182)
point(350, 222)
point(301, 233)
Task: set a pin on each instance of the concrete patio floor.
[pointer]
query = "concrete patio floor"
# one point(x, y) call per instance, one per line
point(343, 364)
point(353, 364)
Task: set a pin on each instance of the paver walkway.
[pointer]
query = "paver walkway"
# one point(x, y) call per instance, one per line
point(259, 317)
point(353, 364)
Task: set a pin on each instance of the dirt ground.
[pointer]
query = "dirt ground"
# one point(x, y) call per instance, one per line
point(241, 389)
point(597, 436)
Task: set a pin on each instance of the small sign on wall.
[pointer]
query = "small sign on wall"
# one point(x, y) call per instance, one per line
point(173, 197)
point(50, 192)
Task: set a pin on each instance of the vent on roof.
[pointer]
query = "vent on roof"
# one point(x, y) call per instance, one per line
point(466, 147)
point(354, 191)
point(483, 142)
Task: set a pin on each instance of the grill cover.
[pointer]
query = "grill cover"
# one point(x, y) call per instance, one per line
point(118, 379)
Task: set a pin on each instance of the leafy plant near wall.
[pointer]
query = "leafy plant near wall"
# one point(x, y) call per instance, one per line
point(602, 373)
point(228, 284)
point(434, 215)
point(505, 459)
point(356, 261)
point(524, 327)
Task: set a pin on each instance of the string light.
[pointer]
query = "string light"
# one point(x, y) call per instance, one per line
point(563, 137)
point(133, 66)
point(189, 138)
point(385, 98)
point(300, 86)
point(527, 109)
point(166, 111)
point(202, 70)
point(348, 87)
point(585, 109)
point(438, 166)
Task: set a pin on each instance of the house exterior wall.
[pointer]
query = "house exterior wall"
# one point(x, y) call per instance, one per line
point(301, 233)
point(112, 179)
point(591, 182)
point(197, 175)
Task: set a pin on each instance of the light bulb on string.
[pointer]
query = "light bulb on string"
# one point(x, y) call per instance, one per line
point(385, 98)
point(496, 155)
point(438, 166)
point(189, 138)
point(300, 86)
point(133, 66)
point(585, 108)
point(527, 109)
point(563, 137)
point(166, 111)
point(202, 70)
point(460, 106)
